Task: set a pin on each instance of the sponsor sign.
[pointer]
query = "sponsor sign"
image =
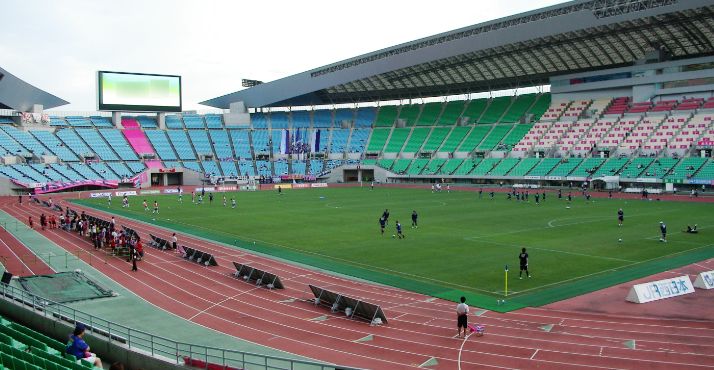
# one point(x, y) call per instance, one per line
point(701, 181)
point(647, 180)
point(227, 188)
point(100, 195)
point(301, 186)
point(171, 191)
point(123, 193)
point(531, 177)
point(319, 185)
point(555, 178)
point(150, 192)
point(705, 280)
point(573, 178)
point(210, 188)
point(167, 170)
point(283, 186)
point(660, 289)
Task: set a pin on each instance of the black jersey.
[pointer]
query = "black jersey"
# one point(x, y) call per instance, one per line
point(523, 257)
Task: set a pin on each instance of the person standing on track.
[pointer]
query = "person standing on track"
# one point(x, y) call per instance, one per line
point(523, 259)
point(462, 319)
point(31, 222)
point(174, 242)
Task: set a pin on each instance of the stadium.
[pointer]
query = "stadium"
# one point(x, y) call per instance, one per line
point(553, 169)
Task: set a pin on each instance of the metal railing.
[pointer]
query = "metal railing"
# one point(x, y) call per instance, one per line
point(154, 345)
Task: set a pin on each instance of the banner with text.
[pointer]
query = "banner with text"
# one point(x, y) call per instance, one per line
point(705, 280)
point(660, 289)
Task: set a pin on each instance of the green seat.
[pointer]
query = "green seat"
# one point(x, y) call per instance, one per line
point(50, 342)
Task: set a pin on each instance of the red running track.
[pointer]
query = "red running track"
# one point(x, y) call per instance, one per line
point(420, 327)
point(18, 259)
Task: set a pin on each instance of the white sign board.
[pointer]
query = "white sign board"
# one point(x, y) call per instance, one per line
point(705, 280)
point(660, 289)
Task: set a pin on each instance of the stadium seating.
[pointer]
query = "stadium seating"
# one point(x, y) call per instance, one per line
point(117, 142)
point(74, 142)
point(468, 166)
point(358, 141)
point(323, 118)
point(433, 166)
point(192, 165)
point(659, 168)
point(147, 122)
point(260, 141)
point(450, 166)
point(26, 140)
point(300, 119)
point(429, 114)
point(277, 138)
point(173, 122)
point(241, 143)
point(386, 116)
point(162, 145)
point(364, 117)
point(636, 167)
point(221, 144)
point(100, 121)
point(416, 139)
point(400, 166)
point(121, 169)
point(496, 108)
point(452, 112)
point(474, 109)
point(640, 134)
point(180, 142)
point(436, 137)
point(210, 167)
point(518, 108)
point(474, 138)
point(246, 167)
point(396, 141)
point(706, 172)
point(279, 120)
point(611, 167)
point(54, 145)
point(685, 169)
point(201, 143)
point(213, 121)
point(298, 167)
point(697, 126)
point(409, 113)
point(378, 139)
point(98, 145)
point(496, 136)
point(417, 166)
point(228, 167)
point(555, 110)
point(103, 170)
point(524, 166)
point(587, 167)
point(316, 167)
point(566, 166)
point(484, 166)
point(543, 168)
point(504, 166)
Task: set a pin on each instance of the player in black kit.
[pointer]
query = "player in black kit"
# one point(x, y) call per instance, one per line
point(523, 259)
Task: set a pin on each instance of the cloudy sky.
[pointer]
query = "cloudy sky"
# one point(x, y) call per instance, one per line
point(59, 45)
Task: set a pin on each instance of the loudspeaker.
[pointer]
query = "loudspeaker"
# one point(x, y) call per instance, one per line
point(6, 276)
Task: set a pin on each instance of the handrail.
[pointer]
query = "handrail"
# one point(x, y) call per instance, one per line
point(153, 344)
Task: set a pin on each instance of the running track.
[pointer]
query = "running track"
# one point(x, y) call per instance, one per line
point(420, 328)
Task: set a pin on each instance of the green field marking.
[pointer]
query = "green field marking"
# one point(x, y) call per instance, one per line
point(365, 339)
point(630, 344)
point(547, 328)
point(430, 362)
point(461, 245)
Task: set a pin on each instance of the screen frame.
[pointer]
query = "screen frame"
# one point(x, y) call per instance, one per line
point(136, 108)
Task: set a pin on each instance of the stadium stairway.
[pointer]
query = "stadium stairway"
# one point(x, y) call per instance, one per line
point(138, 141)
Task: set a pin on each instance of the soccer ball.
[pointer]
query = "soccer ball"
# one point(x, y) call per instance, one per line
point(619, 240)
point(394, 236)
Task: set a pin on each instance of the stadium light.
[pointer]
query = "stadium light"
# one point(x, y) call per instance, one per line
point(250, 83)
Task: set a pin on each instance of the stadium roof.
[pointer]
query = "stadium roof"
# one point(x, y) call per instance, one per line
point(21, 96)
point(517, 51)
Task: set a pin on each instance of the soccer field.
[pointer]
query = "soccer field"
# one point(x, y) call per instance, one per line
point(462, 244)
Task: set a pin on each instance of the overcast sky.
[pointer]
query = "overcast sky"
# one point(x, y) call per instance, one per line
point(59, 45)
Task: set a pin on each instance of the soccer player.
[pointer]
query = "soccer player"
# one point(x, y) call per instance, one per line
point(433, 187)
point(544, 196)
point(399, 231)
point(570, 197)
point(200, 199)
point(462, 311)
point(371, 186)
point(193, 197)
point(180, 192)
point(663, 230)
point(414, 220)
point(385, 215)
point(537, 198)
point(233, 203)
point(560, 194)
point(448, 188)
point(146, 206)
point(491, 194)
point(109, 200)
point(382, 223)
point(620, 217)
point(210, 198)
point(125, 202)
point(523, 259)
point(156, 207)
point(480, 193)
point(224, 200)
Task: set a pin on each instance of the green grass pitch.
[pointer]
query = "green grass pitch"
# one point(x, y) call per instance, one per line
point(462, 244)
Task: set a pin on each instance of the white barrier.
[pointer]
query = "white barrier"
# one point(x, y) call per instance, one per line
point(705, 280)
point(660, 289)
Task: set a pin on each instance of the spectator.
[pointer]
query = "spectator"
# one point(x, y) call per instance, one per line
point(80, 349)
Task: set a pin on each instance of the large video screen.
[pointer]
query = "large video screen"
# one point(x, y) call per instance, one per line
point(138, 92)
